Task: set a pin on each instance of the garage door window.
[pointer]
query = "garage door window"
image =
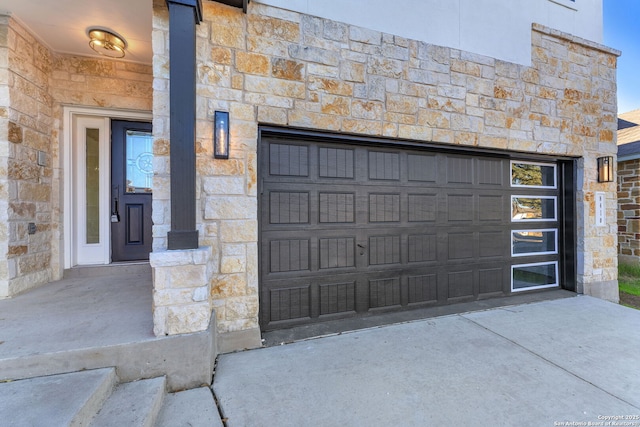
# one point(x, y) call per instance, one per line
point(534, 242)
point(527, 208)
point(536, 205)
point(534, 276)
point(533, 175)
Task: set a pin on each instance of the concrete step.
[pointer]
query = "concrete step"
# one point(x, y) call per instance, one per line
point(134, 404)
point(194, 408)
point(87, 271)
point(58, 400)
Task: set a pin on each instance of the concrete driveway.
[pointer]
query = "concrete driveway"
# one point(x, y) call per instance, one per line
point(572, 360)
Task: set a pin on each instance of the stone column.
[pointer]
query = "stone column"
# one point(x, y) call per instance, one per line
point(181, 290)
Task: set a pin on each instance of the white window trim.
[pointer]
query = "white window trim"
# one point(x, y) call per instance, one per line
point(530, 288)
point(555, 242)
point(529, 196)
point(555, 175)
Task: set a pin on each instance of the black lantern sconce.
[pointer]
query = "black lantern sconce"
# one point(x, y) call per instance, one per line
point(221, 135)
point(605, 169)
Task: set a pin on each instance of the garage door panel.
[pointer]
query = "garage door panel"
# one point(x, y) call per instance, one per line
point(422, 247)
point(459, 170)
point(460, 246)
point(384, 207)
point(289, 255)
point(460, 207)
point(492, 280)
point(384, 166)
point(491, 172)
point(422, 168)
point(336, 162)
point(337, 298)
point(289, 160)
point(422, 207)
point(384, 292)
point(384, 250)
point(491, 244)
point(336, 208)
point(422, 288)
point(491, 208)
point(287, 207)
point(337, 252)
point(289, 303)
point(459, 284)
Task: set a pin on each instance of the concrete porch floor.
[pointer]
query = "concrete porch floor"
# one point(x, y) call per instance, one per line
point(98, 317)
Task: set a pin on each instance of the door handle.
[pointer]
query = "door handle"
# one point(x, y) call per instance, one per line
point(362, 248)
point(115, 214)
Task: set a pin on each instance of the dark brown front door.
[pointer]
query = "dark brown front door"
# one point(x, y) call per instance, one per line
point(131, 189)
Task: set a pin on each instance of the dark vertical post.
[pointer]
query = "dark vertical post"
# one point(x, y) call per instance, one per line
point(183, 17)
point(568, 227)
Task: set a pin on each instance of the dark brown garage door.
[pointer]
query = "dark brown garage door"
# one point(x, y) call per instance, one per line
point(348, 230)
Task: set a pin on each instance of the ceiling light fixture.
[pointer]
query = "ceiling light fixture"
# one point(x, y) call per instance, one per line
point(106, 42)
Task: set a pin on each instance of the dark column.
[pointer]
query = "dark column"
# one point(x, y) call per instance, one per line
point(184, 15)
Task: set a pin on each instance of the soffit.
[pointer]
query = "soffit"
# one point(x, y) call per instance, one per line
point(62, 24)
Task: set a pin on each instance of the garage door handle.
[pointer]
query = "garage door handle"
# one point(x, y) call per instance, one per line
point(362, 248)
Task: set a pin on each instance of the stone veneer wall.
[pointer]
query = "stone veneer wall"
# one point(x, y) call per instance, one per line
point(34, 84)
point(26, 189)
point(629, 211)
point(273, 66)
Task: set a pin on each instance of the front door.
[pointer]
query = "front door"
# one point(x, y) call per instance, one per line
point(131, 189)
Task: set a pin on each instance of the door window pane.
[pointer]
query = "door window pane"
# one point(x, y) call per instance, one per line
point(533, 242)
point(533, 175)
point(527, 208)
point(92, 189)
point(139, 161)
point(534, 276)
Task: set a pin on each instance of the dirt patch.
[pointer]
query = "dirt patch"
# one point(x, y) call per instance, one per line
point(630, 300)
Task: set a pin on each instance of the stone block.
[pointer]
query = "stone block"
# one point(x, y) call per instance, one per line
point(272, 115)
point(314, 54)
point(332, 86)
point(239, 231)
point(229, 207)
point(252, 63)
point(186, 319)
point(402, 104)
point(242, 308)
point(287, 69)
point(275, 86)
point(365, 127)
point(364, 35)
point(15, 133)
point(227, 35)
point(217, 185)
point(336, 31)
point(369, 110)
point(228, 286)
point(337, 105)
point(269, 27)
point(386, 67)
point(314, 120)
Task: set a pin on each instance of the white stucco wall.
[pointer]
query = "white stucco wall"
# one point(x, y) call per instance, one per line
point(497, 28)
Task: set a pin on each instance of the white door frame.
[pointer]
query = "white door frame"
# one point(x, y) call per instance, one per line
point(70, 222)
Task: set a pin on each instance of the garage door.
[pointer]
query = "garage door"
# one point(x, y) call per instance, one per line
point(353, 230)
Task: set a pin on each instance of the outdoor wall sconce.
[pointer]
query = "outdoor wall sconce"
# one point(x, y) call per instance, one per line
point(106, 42)
point(605, 169)
point(221, 135)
